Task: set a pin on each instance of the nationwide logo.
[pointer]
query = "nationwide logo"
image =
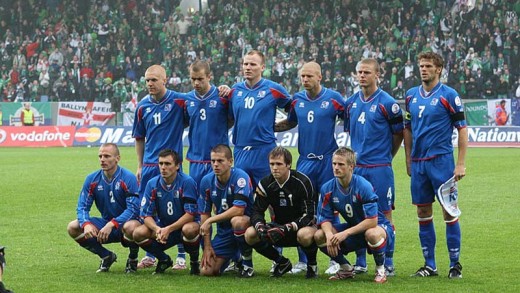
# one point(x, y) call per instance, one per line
point(86, 134)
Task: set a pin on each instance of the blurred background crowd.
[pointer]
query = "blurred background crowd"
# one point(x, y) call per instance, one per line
point(98, 50)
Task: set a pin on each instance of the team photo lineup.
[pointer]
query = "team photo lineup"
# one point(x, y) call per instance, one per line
point(211, 94)
point(337, 200)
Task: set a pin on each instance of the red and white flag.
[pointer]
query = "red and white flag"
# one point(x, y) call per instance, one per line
point(84, 113)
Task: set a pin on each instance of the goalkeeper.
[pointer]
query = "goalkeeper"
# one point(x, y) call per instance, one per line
point(292, 197)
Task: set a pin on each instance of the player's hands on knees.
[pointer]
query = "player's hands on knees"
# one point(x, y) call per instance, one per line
point(261, 230)
point(162, 235)
point(275, 233)
point(332, 245)
point(205, 228)
point(208, 257)
point(90, 231)
point(104, 233)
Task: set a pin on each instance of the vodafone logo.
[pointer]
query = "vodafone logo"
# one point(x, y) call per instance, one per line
point(3, 135)
point(85, 134)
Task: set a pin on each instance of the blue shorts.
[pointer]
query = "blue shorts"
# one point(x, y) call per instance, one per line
point(115, 236)
point(254, 160)
point(148, 172)
point(225, 245)
point(358, 241)
point(382, 179)
point(319, 171)
point(428, 176)
point(199, 170)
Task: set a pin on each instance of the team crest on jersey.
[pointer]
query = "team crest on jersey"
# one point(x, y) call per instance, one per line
point(168, 107)
point(212, 104)
point(192, 104)
point(159, 194)
point(354, 105)
point(354, 198)
point(335, 200)
point(324, 104)
point(214, 193)
point(414, 100)
point(143, 201)
point(373, 108)
point(241, 182)
point(148, 110)
point(283, 202)
point(395, 108)
point(434, 101)
point(239, 94)
point(457, 101)
point(118, 185)
point(261, 94)
point(301, 105)
point(100, 187)
point(176, 194)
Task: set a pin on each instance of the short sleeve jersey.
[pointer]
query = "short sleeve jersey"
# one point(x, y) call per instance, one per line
point(432, 117)
point(316, 120)
point(355, 203)
point(254, 111)
point(371, 124)
point(207, 116)
point(237, 192)
point(161, 124)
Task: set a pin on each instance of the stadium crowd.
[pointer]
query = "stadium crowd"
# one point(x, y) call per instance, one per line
point(97, 50)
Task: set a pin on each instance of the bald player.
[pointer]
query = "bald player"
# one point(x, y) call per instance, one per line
point(315, 111)
point(158, 125)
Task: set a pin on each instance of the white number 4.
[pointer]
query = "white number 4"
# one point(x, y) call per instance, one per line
point(362, 118)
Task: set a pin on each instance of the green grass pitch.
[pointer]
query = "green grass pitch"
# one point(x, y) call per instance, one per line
point(39, 190)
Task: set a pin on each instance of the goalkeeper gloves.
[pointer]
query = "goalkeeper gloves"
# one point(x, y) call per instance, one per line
point(275, 234)
point(261, 230)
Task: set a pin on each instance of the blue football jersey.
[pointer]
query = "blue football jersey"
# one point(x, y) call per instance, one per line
point(161, 123)
point(371, 125)
point(316, 120)
point(169, 203)
point(254, 111)
point(208, 117)
point(355, 203)
point(236, 192)
point(116, 200)
point(432, 117)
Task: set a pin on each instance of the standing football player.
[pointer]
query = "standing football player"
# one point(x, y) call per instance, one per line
point(315, 111)
point(206, 112)
point(253, 109)
point(374, 121)
point(158, 125)
point(433, 110)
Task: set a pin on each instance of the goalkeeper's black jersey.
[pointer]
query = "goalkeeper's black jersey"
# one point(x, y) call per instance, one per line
point(294, 201)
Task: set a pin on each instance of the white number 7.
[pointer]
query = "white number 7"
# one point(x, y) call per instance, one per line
point(421, 109)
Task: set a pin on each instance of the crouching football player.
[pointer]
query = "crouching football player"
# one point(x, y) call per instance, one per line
point(365, 226)
point(114, 191)
point(172, 198)
point(292, 197)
